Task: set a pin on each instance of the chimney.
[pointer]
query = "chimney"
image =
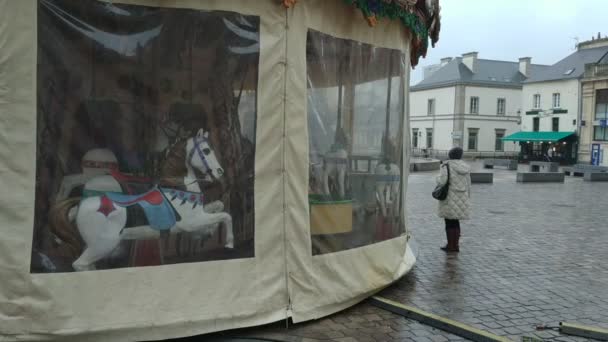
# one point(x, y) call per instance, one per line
point(470, 60)
point(524, 65)
point(593, 43)
point(429, 70)
point(445, 60)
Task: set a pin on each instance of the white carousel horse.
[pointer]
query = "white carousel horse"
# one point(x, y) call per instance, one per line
point(388, 178)
point(101, 219)
point(96, 162)
point(335, 166)
point(315, 173)
point(102, 161)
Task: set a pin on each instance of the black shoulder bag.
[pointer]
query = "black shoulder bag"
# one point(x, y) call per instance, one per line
point(441, 191)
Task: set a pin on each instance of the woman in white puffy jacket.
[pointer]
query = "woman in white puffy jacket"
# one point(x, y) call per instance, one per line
point(457, 205)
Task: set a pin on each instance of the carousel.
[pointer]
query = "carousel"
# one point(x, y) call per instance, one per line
point(173, 168)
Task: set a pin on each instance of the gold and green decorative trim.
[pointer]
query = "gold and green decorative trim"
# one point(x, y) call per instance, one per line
point(422, 21)
point(420, 17)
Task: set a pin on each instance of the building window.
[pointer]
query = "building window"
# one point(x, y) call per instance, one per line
point(430, 108)
point(536, 103)
point(473, 133)
point(429, 138)
point(601, 104)
point(500, 106)
point(556, 100)
point(555, 124)
point(600, 133)
point(535, 124)
point(415, 137)
point(499, 144)
point(601, 111)
point(474, 105)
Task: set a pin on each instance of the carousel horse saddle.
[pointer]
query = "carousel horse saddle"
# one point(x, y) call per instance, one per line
point(158, 211)
point(132, 184)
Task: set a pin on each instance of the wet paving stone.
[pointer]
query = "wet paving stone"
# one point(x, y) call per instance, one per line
point(531, 254)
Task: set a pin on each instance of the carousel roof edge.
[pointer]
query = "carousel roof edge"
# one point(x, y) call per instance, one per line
point(421, 17)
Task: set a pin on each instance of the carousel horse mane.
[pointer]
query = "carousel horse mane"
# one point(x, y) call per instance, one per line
point(174, 166)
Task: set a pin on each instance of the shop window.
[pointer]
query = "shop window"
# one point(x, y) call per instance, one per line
point(355, 111)
point(157, 102)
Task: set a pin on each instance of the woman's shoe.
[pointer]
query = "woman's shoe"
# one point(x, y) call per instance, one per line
point(453, 236)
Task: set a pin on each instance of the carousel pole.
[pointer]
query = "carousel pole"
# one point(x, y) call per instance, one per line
point(401, 123)
point(384, 226)
point(388, 110)
point(339, 119)
point(191, 46)
point(348, 118)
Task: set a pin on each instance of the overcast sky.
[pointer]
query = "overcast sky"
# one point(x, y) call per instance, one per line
point(508, 29)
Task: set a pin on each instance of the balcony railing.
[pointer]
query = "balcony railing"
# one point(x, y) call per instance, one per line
point(596, 70)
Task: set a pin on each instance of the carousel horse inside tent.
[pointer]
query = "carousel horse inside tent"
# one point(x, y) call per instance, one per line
point(335, 165)
point(96, 162)
point(388, 182)
point(102, 161)
point(388, 176)
point(101, 219)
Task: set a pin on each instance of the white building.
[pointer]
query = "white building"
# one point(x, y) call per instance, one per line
point(552, 100)
point(469, 102)
point(593, 134)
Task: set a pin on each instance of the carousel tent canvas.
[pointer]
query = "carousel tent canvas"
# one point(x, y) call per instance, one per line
point(172, 168)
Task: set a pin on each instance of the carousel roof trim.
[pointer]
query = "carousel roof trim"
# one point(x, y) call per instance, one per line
point(424, 22)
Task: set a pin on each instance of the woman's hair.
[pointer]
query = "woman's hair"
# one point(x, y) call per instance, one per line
point(455, 153)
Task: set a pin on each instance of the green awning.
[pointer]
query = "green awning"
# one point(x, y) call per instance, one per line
point(538, 136)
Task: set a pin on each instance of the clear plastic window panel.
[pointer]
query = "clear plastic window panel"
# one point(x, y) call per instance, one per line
point(355, 123)
point(146, 136)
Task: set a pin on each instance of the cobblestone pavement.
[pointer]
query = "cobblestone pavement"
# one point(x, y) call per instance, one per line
point(532, 254)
